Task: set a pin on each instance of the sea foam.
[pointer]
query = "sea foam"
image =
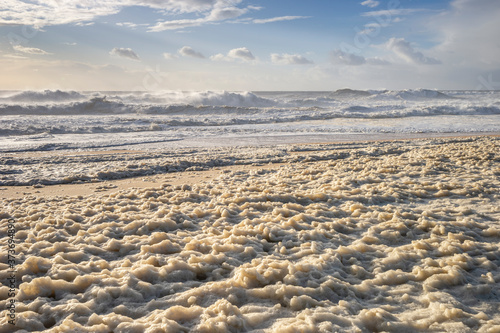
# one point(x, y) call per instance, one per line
point(380, 236)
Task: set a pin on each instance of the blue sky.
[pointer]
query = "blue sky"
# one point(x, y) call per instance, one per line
point(249, 45)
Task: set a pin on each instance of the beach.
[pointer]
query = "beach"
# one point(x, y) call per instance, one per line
point(363, 236)
point(214, 166)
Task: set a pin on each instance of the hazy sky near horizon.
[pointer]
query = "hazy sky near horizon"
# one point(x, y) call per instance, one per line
point(249, 44)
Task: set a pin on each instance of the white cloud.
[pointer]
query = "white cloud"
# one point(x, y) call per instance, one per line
point(29, 50)
point(279, 18)
point(188, 51)
point(14, 56)
point(180, 6)
point(169, 56)
point(130, 25)
point(404, 50)
point(82, 13)
point(345, 58)
point(220, 13)
point(377, 61)
point(241, 53)
point(219, 57)
point(55, 12)
point(350, 59)
point(290, 59)
point(467, 34)
point(84, 24)
point(177, 24)
point(220, 10)
point(125, 53)
point(370, 3)
point(372, 28)
point(389, 13)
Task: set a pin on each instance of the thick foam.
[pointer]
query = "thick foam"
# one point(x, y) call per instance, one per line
point(392, 237)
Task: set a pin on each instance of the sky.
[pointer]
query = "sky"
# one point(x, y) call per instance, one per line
point(249, 45)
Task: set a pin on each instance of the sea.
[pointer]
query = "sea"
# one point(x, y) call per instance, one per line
point(81, 120)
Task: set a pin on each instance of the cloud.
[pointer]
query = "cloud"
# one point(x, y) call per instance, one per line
point(42, 13)
point(187, 51)
point(279, 18)
point(56, 12)
point(404, 50)
point(372, 28)
point(393, 12)
point(220, 10)
point(29, 50)
point(467, 33)
point(130, 25)
point(180, 6)
point(84, 24)
point(125, 53)
point(14, 56)
point(220, 13)
point(370, 3)
point(241, 53)
point(177, 24)
point(169, 56)
point(377, 61)
point(290, 59)
point(49, 12)
point(345, 58)
point(350, 59)
point(219, 57)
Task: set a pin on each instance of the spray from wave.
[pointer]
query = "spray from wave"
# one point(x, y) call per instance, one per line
point(341, 103)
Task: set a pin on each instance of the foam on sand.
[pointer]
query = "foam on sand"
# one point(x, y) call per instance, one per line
point(381, 238)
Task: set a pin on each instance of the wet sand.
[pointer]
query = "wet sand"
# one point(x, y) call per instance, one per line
point(399, 236)
point(110, 186)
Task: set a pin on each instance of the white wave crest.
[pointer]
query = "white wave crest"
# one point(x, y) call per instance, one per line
point(224, 98)
point(412, 94)
point(45, 96)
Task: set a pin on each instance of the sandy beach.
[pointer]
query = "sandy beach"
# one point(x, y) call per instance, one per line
point(214, 166)
point(394, 236)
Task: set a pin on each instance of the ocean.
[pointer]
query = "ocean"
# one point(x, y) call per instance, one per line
point(75, 120)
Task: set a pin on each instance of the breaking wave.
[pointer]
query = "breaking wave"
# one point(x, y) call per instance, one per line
point(34, 113)
point(46, 96)
point(410, 94)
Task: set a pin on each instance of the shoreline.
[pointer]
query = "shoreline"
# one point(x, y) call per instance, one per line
point(106, 186)
point(110, 186)
point(251, 141)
